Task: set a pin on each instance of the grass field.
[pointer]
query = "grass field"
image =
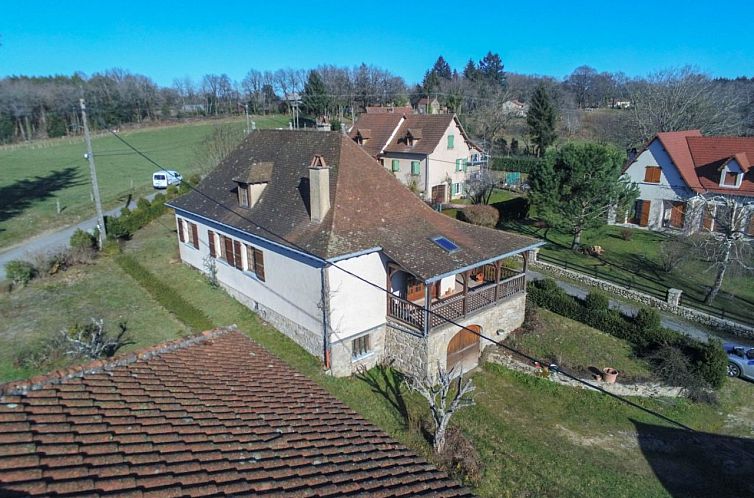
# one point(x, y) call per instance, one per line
point(534, 438)
point(34, 177)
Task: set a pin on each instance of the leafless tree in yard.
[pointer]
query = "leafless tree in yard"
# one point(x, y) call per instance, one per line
point(682, 99)
point(448, 384)
point(723, 243)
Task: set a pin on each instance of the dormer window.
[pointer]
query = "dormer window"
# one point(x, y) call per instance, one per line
point(730, 179)
point(243, 195)
point(251, 183)
point(733, 170)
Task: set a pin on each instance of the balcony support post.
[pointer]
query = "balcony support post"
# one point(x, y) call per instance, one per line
point(427, 305)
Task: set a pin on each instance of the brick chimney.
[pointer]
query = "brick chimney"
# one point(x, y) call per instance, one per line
point(319, 188)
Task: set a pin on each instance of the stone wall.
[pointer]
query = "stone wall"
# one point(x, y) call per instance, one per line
point(341, 357)
point(307, 339)
point(405, 350)
point(728, 326)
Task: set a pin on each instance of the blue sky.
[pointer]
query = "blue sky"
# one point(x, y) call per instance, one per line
point(166, 40)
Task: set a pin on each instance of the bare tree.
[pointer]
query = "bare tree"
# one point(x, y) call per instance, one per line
point(92, 341)
point(217, 146)
point(723, 243)
point(681, 99)
point(437, 395)
point(479, 187)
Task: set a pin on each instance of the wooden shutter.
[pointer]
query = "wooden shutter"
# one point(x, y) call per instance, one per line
point(677, 214)
point(238, 259)
point(180, 230)
point(707, 219)
point(652, 174)
point(644, 215)
point(415, 168)
point(259, 264)
point(396, 165)
point(194, 235)
point(211, 239)
point(451, 140)
point(228, 243)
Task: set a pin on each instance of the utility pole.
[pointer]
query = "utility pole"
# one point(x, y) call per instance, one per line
point(93, 173)
point(248, 127)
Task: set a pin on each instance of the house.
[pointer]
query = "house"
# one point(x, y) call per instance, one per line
point(427, 105)
point(679, 171)
point(214, 414)
point(317, 237)
point(389, 109)
point(515, 108)
point(429, 153)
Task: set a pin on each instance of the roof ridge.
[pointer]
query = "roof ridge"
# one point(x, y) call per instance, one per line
point(16, 387)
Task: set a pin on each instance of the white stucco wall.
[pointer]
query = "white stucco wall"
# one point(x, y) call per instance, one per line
point(291, 288)
point(356, 306)
point(671, 187)
point(442, 161)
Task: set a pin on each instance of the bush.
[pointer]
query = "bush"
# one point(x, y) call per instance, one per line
point(20, 272)
point(524, 164)
point(626, 234)
point(460, 458)
point(513, 209)
point(597, 301)
point(82, 240)
point(482, 215)
point(711, 362)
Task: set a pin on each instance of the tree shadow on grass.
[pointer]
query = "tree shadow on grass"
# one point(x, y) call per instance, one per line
point(698, 463)
point(386, 382)
point(19, 196)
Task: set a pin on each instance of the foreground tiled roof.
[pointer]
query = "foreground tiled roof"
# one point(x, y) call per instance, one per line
point(370, 207)
point(699, 159)
point(212, 415)
point(380, 127)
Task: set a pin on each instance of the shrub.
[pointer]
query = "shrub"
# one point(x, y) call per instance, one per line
point(82, 240)
point(626, 234)
point(647, 318)
point(91, 340)
point(672, 253)
point(478, 214)
point(597, 301)
point(711, 362)
point(460, 458)
point(513, 209)
point(20, 272)
point(194, 179)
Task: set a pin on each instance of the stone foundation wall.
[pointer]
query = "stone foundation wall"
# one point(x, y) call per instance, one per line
point(307, 339)
point(405, 350)
point(729, 326)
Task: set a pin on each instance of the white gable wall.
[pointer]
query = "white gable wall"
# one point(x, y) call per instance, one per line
point(442, 161)
point(672, 187)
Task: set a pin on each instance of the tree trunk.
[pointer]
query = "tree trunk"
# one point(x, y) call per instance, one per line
point(712, 294)
point(576, 240)
point(439, 442)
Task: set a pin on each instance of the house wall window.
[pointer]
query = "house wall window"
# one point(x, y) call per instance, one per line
point(360, 347)
point(211, 244)
point(243, 196)
point(459, 164)
point(652, 174)
point(415, 168)
point(455, 189)
point(396, 165)
point(451, 139)
point(188, 232)
point(255, 261)
point(730, 179)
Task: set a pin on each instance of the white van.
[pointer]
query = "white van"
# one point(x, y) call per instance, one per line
point(164, 178)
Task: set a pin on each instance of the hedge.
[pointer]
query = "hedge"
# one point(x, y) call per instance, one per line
point(165, 295)
point(125, 225)
point(708, 361)
point(482, 215)
point(523, 164)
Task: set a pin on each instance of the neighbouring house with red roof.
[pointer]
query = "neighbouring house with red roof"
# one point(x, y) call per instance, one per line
point(427, 105)
point(311, 232)
point(209, 415)
point(429, 153)
point(679, 171)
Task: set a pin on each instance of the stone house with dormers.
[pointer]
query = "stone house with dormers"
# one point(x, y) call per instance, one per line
point(679, 172)
point(311, 232)
point(429, 153)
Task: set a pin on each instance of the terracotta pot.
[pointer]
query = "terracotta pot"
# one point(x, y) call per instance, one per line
point(609, 375)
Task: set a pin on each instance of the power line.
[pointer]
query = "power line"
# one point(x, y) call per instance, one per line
point(531, 358)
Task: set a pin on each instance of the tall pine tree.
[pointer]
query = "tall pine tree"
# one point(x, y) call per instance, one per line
point(540, 120)
point(315, 101)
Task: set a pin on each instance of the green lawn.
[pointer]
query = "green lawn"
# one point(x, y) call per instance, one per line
point(636, 263)
point(498, 195)
point(534, 438)
point(576, 346)
point(34, 177)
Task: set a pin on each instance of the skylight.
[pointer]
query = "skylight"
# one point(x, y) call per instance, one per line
point(448, 245)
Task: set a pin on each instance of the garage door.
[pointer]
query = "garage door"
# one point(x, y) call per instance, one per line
point(463, 349)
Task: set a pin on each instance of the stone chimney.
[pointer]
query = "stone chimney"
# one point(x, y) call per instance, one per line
point(319, 188)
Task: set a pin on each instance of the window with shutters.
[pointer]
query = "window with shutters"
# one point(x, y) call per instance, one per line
point(459, 164)
point(191, 235)
point(415, 168)
point(259, 264)
point(181, 233)
point(237, 257)
point(652, 174)
point(228, 254)
point(360, 347)
point(396, 165)
point(211, 244)
point(451, 140)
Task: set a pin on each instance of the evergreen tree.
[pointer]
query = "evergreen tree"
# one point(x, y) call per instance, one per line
point(315, 101)
point(575, 187)
point(540, 120)
point(470, 72)
point(442, 68)
point(491, 69)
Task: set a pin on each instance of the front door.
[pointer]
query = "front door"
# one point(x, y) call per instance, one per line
point(438, 194)
point(463, 349)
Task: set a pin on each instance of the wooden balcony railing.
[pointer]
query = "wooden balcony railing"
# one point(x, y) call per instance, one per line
point(458, 306)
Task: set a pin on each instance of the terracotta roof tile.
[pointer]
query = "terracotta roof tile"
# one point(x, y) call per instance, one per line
point(291, 439)
point(378, 128)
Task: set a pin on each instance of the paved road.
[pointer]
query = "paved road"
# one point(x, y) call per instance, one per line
point(668, 320)
point(50, 241)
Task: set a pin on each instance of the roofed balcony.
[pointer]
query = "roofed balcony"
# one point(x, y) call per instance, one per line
point(450, 298)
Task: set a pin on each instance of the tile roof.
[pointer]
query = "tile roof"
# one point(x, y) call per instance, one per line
point(255, 173)
point(432, 126)
point(389, 109)
point(370, 207)
point(700, 158)
point(379, 126)
point(212, 415)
